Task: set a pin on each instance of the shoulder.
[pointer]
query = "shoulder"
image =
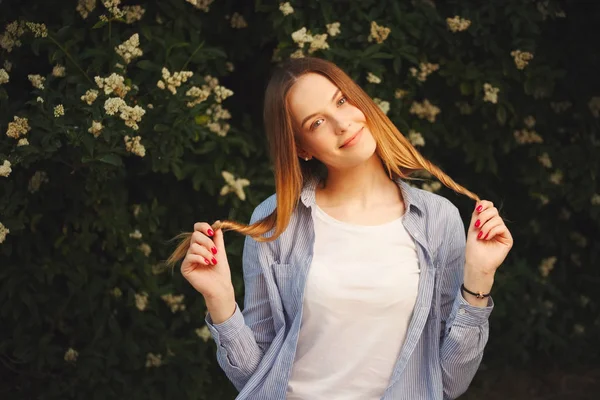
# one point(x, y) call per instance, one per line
point(264, 209)
point(434, 206)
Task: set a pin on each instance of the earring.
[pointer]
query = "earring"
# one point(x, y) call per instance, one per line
point(305, 158)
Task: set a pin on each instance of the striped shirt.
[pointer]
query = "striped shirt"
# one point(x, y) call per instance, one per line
point(446, 335)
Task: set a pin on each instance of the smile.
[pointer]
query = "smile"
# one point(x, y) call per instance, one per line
point(353, 140)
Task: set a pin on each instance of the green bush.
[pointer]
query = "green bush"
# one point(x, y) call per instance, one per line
point(86, 309)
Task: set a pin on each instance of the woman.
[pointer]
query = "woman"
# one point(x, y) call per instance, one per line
point(353, 279)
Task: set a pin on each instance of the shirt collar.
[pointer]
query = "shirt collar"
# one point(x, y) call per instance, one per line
point(412, 197)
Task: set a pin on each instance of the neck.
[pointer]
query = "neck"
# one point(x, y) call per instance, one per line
point(364, 186)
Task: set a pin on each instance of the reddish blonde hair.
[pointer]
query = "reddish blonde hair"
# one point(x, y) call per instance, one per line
point(398, 155)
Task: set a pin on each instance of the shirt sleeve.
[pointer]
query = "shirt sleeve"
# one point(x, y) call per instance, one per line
point(465, 328)
point(243, 339)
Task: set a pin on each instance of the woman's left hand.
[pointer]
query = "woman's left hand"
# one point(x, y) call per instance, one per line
point(488, 239)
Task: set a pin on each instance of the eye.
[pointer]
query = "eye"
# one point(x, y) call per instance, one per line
point(314, 125)
point(342, 100)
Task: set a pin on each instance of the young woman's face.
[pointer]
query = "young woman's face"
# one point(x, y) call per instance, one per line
point(328, 127)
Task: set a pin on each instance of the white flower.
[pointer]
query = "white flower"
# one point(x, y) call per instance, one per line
point(521, 58)
point(90, 96)
point(201, 4)
point(19, 127)
point(39, 100)
point(383, 105)
point(141, 301)
point(59, 111)
point(333, 29)
point(113, 105)
point(58, 71)
point(234, 185)
point(229, 66)
point(400, 93)
point(221, 93)
point(172, 82)
point(22, 142)
point(297, 54)
point(458, 24)
point(319, 42)
point(71, 355)
point(544, 159)
point(39, 30)
point(491, 93)
point(136, 234)
point(204, 333)
point(238, 21)
point(546, 266)
point(85, 7)
point(145, 248)
point(415, 138)
point(378, 33)
point(529, 121)
point(4, 78)
point(133, 13)
point(3, 232)
point(425, 110)
point(175, 303)
point(286, 8)
point(129, 49)
point(96, 128)
point(133, 145)
point(5, 169)
point(595, 199)
point(37, 81)
point(425, 69)
point(154, 360)
point(556, 177)
point(132, 115)
point(373, 78)
point(302, 36)
point(115, 83)
point(117, 293)
point(525, 136)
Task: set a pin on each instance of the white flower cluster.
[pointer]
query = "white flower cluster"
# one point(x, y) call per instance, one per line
point(10, 38)
point(39, 99)
point(433, 187)
point(201, 4)
point(491, 93)
point(59, 111)
point(3, 232)
point(529, 121)
point(415, 138)
point(525, 136)
point(545, 160)
point(546, 266)
point(556, 177)
point(218, 114)
point(595, 200)
point(132, 115)
point(425, 69)
point(113, 7)
point(22, 142)
point(425, 110)
point(317, 42)
point(113, 105)
point(382, 104)
point(90, 96)
point(199, 95)
point(4, 78)
point(234, 185)
point(400, 93)
point(172, 82)
point(130, 49)
point(378, 33)
point(85, 7)
point(154, 360)
point(286, 8)
point(19, 127)
point(204, 333)
point(37, 81)
point(238, 21)
point(174, 302)
point(297, 54)
point(116, 292)
point(221, 93)
point(458, 24)
point(71, 355)
point(136, 234)
point(141, 301)
point(96, 128)
point(133, 145)
point(229, 66)
point(39, 30)
point(58, 71)
point(594, 105)
point(115, 83)
point(5, 169)
point(36, 181)
point(333, 29)
point(133, 13)
point(560, 106)
point(372, 78)
point(522, 58)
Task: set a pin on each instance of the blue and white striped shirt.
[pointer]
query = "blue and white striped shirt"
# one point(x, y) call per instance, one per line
point(446, 335)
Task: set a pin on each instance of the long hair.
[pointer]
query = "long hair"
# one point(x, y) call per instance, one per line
point(397, 154)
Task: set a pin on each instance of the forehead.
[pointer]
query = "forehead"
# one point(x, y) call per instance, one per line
point(309, 94)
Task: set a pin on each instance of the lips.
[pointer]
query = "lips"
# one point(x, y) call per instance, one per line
point(350, 139)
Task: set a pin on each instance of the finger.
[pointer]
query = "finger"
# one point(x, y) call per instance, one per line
point(485, 216)
point(219, 241)
point(194, 261)
point(501, 234)
point(204, 228)
point(491, 224)
point(197, 249)
point(202, 239)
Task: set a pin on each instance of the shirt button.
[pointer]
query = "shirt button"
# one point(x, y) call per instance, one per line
point(461, 311)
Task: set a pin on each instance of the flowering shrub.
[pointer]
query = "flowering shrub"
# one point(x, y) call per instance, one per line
point(122, 125)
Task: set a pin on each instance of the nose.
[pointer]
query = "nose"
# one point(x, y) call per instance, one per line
point(342, 127)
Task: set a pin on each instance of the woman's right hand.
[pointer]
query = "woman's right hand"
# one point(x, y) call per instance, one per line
point(205, 265)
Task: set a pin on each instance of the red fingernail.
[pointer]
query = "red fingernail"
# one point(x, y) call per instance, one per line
point(214, 250)
point(210, 232)
point(214, 261)
point(206, 261)
point(477, 223)
point(480, 233)
point(479, 208)
point(486, 236)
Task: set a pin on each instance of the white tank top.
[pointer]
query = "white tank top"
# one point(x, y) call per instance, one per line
point(359, 297)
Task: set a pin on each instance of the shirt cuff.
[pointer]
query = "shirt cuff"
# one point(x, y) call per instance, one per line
point(228, 329)
point(470, 315)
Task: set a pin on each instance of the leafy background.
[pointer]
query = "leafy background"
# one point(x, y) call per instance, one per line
point(86, 309)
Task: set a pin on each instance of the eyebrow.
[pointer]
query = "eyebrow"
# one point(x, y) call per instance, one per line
point(312, 115)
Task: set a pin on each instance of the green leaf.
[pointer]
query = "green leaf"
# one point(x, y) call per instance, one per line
point(99, 24)
point(501, 115)
point(112, 159)
point(161, 128)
